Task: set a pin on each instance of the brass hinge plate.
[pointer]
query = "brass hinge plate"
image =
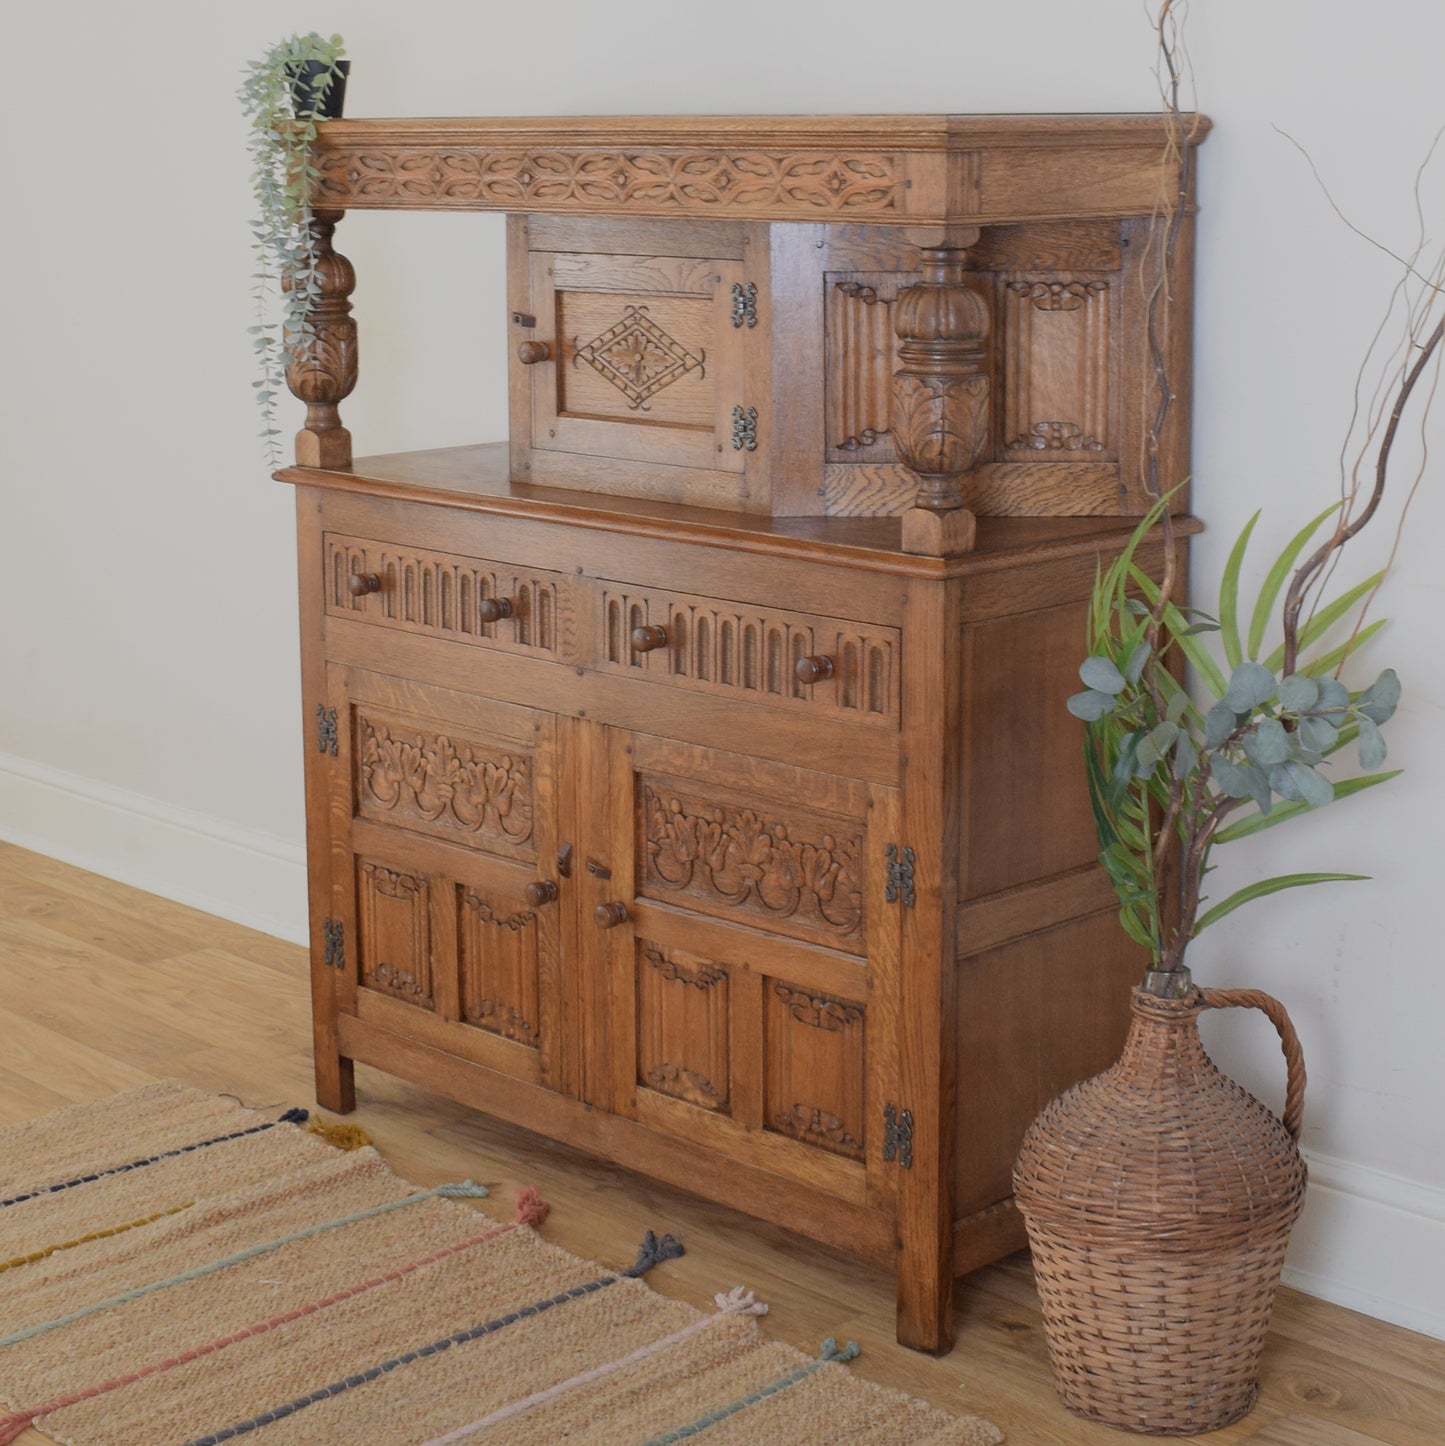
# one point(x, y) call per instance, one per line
point(898, 1136)
point(334, 933)
point(326, 741)
point(745, 304)
point(745, 429)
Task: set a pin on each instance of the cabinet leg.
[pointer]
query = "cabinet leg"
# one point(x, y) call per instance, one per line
point(925, 1309)
point(335, 1083)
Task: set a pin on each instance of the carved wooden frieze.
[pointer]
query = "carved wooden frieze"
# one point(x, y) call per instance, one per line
point(797, 872)
point(499, 975)
point(814, 1090)
point(683, 1026)
point(705, 180)
point(1056, 366)
point(411, 774)
point(443, 595)
point(392, 910)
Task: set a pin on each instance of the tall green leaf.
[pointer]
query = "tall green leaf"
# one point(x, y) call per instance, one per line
point(1325, 618)
point(1328, 662)
point(1268, 886)
point(1283, 566)
point(1192, 649)
point(1229, 597)
point(1258, 822)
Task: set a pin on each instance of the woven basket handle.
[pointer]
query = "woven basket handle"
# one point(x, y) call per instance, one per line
point(1294, 1093)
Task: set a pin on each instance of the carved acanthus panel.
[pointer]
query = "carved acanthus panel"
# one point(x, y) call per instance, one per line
point(790, 871)
point(499, 974)
point(1056, 366)
point(395, 927)
point(637, 357)
point(683, 1031)
point(720, 648)
point(439, 594)
point(860, 351)
point(412, 774)
point(815, 1057)
point(696, 181)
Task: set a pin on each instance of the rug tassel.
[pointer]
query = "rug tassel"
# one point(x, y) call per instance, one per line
point(830, 1352)
point(297, 1116)
point(532, 1209)
point(14, 1426)
point(467, 1190)
point(343, 1136)
point(738, 1301)
point(654, 1251)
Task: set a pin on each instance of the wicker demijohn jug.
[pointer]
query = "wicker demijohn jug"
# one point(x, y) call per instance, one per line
point(1159, 1197)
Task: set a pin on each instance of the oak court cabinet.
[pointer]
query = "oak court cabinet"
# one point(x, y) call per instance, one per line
point(687, 776)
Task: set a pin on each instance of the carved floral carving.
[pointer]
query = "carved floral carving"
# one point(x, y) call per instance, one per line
point(1058, 295)
point(685, 1084)
point(1057, 437)
point(638, 357)
point(427, 776)
point(646, 181)
point(807, 1122)
point(705, 976)
point(739, 857)
point(818, 1010)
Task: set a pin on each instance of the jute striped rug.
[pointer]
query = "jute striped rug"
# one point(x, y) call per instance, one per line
point(177, 1269)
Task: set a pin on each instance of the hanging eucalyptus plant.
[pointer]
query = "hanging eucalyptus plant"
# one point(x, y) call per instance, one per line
point(282, 106)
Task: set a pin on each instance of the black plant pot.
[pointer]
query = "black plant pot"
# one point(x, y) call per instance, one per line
point(307, 94)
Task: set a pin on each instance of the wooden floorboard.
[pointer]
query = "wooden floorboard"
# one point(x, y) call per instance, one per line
point(103, 987)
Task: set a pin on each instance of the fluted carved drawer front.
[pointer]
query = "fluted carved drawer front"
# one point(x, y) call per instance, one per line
point(825, 666)
point(440, 779)
point(445, 595)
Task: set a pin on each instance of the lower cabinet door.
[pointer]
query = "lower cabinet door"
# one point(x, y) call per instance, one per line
point(443, 850)
point(753, 960)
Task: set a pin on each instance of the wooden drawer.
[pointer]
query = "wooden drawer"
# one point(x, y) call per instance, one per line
point(449, 596)
point(740, 651)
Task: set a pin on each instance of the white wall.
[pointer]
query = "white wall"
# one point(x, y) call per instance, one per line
point(149, 704)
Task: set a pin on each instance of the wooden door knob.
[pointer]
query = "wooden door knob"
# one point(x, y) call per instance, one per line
point(544, 891)
point(814, 669)
point(494, 609)
point(609, 916)
point(529, 353)
point(648, 640)
point(361, 583)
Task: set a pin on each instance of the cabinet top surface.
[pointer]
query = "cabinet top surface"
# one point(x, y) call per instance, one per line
point(874, 169)
point(474, 479)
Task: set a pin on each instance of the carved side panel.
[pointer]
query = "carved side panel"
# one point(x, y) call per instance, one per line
point(393, 918)
point(412, 774)
point(623, 355)
point(1056, 338)
point(438, 594)
point(720, 648)
point(815, 1069)
point(861, 357)
point(787, 870)
point(682, 1026)
point(499, 977)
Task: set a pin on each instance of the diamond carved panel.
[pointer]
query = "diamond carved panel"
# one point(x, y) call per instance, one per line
point(638, 357)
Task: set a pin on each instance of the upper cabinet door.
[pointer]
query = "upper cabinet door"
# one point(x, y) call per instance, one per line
point(444, 847)
point(755, 969)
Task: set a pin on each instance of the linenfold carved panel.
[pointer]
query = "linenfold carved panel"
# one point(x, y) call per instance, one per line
point(734, 651)
point(780, 868)
point(438, 594)
point(411, 773)
point(683, 1026)
point(1056, 366)
point(644, 182)
point(499, 981)
point(861, 351)
point(814, 1091)
point(392, 910)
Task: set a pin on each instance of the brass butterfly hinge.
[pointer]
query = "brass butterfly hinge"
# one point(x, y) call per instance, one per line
point(900, 875)
point(745, 304)
point(898, 1136)
point(745, 429)
point(334, 932)
point(325, 730)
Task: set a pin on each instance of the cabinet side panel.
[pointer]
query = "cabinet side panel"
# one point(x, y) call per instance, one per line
point(1034, 1017)
point(1026, 801)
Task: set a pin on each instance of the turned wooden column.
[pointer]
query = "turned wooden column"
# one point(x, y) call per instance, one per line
point(940, 398)
point(322, 371)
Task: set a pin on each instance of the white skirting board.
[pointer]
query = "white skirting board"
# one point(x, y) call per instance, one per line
point(1368, 1240)
point(254, 878)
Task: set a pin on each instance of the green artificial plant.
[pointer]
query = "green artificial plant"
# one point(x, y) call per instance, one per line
point(283, 119)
